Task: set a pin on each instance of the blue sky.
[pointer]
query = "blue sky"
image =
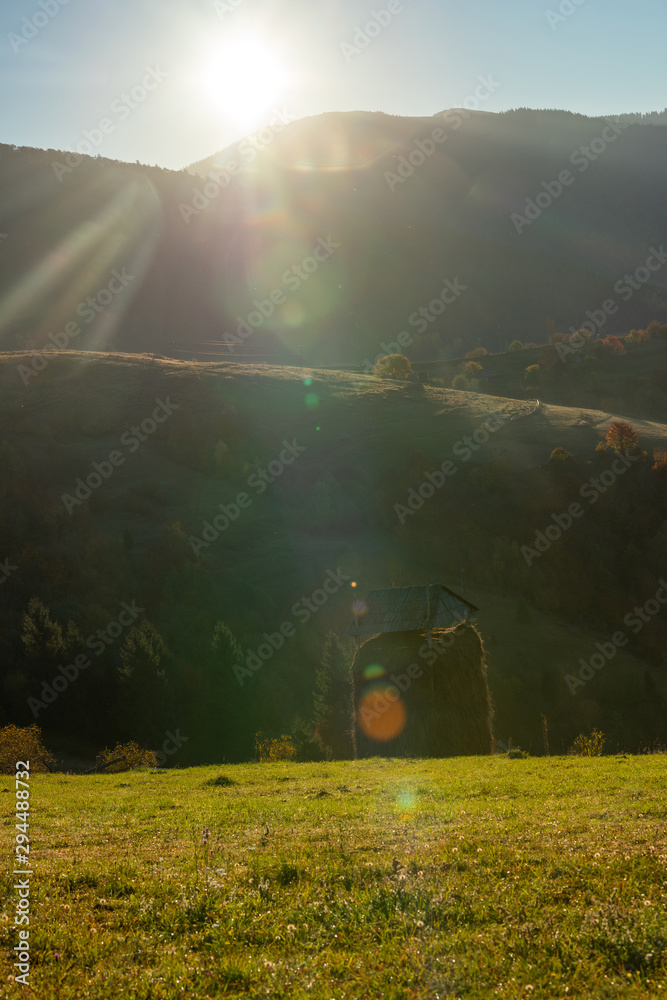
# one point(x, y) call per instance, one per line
point(216, 72)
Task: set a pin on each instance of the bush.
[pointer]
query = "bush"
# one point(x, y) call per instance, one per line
point(133, 756)
point(460, 382)
point(393, 366)
point(614, 344)
point(561, 459)
point(24, 744)
point(516, 345)
point(267, 751)
point(471, 367)
point(588, 746)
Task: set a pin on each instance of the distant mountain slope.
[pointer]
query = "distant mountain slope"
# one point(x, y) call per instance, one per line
point(407, 204)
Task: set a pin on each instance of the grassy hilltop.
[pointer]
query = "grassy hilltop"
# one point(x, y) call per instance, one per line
point(342, 504)
point(473, 877)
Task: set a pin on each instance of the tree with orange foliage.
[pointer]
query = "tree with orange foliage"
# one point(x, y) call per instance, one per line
point(622, 437)
point(616, 345)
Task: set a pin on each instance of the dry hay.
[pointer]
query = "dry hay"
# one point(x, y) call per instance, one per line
point(443, 711)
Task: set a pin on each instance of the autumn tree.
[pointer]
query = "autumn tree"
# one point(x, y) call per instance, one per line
point(614, 344)
point(393, 366)
point(622, 437)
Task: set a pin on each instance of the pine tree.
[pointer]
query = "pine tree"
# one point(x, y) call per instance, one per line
point(332, 699)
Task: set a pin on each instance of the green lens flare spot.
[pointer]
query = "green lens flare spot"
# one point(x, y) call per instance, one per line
point(312, 400)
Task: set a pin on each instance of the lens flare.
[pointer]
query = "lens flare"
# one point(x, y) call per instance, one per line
point(381, 713)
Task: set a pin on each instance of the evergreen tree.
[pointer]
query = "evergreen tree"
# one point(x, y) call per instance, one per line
point(332, 699)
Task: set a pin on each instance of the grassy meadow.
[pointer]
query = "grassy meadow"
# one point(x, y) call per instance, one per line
point(478, 878)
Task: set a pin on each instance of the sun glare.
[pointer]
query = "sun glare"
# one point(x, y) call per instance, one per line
point(245, 79)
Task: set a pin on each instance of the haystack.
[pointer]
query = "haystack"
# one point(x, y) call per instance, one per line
point(415, 698)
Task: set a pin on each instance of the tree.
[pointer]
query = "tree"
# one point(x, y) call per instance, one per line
point(471, 367)
point(479, 352)
point(460, 381)
point(637, 337)
point(516, 345)
point(561, 459)
point(332, 699)
point(655, 329)
point(614, 344)
point(144, 684)
point(622, 437)
point(393, 366)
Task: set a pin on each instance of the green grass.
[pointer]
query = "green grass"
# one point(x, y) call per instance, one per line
point(469, 877)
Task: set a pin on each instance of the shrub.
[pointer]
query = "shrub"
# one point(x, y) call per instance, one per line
point(655, 329)
point(470, 367)
point(393, 366)
point(637, 337)
point(616, 345)
point(479, 352)
point(133, 756)
point(25, 744)
point(460, 382)
point(588, 746)
point(267, 751)
point(560, 459)
point(516, 345)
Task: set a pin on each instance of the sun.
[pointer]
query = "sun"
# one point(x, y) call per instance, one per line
point(245, 78)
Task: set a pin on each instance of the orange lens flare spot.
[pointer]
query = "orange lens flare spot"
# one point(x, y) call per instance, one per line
point(381, 714)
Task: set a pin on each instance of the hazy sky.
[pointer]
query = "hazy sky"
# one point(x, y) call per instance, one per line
point(179, 79)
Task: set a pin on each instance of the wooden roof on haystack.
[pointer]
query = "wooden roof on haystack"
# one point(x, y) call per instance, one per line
point(411, 609)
